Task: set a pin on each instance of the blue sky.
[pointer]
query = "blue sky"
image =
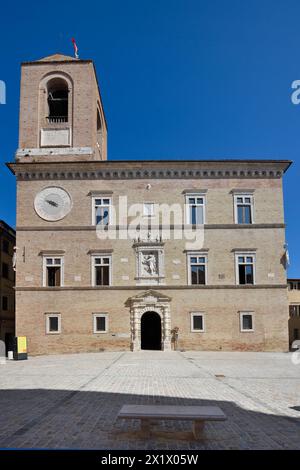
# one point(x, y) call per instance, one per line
point(179, 79)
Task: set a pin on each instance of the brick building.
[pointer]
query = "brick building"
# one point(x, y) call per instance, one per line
point(294, 309)
point(7, 283)
point(119, 254)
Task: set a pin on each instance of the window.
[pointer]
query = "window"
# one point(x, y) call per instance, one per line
point(99, 127)
point(245, 269)
point(197, 322)
point(5, 246)
point(57, 100)
point(195, 209)
point(246, 321)
point(101, 211)
point(100, 321)
point(294, 285)
point(53, 323)
point(243, 209)
point(101, 275)
point(294, 310)
point(53, 272)
point(197, 268)
point(148, 209)
point(5, 303)
point(5, 270)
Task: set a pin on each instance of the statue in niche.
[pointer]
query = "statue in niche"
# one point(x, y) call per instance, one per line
point(149, 263)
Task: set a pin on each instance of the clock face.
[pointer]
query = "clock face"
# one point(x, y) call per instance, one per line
point(52, 203)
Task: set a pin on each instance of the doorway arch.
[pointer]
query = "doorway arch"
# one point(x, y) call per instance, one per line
point(151, 331)
point(150, 301)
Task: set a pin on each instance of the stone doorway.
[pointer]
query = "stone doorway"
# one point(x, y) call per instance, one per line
point(150, 302)
point(151, 331)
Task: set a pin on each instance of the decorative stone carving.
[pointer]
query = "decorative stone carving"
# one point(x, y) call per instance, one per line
point(149, 260)
point(149, 263)
point(150, 299)
point(155, 302)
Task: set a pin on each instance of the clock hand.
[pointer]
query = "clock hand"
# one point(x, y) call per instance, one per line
point(52, 203)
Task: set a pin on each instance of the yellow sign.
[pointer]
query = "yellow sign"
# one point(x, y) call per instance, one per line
point(22, 344)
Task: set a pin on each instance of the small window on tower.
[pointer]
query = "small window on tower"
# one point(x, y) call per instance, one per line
point(99, 127)
point(57, 100)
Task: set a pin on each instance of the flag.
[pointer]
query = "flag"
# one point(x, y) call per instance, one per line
point(75, 48)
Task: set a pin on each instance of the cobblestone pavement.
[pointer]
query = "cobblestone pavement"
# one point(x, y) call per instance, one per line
point(71, 401)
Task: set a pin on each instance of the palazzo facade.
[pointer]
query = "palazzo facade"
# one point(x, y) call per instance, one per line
point(7, 284)
point(294, 310)
point(120, 255)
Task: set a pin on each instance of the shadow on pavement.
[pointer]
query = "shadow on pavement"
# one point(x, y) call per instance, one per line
point(67, 419)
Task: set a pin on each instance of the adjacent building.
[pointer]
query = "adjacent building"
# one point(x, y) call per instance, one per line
point(294, 309)
point(7, 284)
point(126, 255)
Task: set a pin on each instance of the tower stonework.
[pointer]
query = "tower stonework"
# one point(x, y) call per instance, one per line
point(61, 113)
point(84, 282)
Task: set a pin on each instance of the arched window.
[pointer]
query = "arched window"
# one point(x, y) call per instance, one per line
point(57, 90)
point(99, 127)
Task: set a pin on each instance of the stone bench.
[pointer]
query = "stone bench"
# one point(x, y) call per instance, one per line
point(197, 414)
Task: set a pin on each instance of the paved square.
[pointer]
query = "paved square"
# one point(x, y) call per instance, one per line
point(71, 401)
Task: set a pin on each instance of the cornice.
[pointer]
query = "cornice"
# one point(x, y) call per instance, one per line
point(161, 287)
point(243, 250)
point(148, 244)
point(194, 191)
point(242, 191)
point(104, 192)
point(75, 228)
point(98, 251)
point(179, 169)
point(60, 62)
point(201, 250)
point(51, 252)
point(53, 151)
point(7, 229)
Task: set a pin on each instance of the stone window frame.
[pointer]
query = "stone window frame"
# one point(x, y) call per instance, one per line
point(145, 203)
point(242, 314)
point(236, 203)
point(93, 274)
point(196, 194)
point(53, 315)
point(100, 315)
point(191, 254)
point(198, 314)
point(110, 212)
point(240, 192)
point(62, 270)
point(237, 276)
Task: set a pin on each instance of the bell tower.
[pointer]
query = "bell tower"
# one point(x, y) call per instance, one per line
point(61, 112)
